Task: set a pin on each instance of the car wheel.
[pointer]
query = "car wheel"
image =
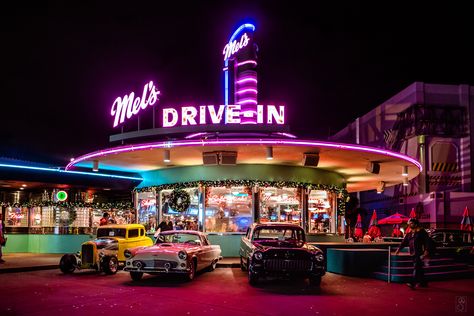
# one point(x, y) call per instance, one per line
point(315, 281)
point(253, 277)
point(213, 265)
point(110, 265)
point(136, 276)
point(192, 271)
point(67, 264)
point(242, 267)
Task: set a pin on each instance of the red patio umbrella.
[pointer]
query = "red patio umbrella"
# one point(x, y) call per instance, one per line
point(466, 223)
point(396, 218)
point(358, 231)
point(412, 215)
point(374, 230)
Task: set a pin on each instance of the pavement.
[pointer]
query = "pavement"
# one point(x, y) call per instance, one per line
point(27, 261)
point(224, 292)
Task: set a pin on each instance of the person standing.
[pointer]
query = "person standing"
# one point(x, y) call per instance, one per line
point(419, 243)
point(104, 220)
point(2, 238)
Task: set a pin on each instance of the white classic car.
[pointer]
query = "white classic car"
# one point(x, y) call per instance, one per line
point(175, 251)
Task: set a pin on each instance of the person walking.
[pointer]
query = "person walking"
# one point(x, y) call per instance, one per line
point(418, 241)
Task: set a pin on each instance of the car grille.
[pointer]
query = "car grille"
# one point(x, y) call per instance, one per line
point(158, 263)
point(88, 254)
point(287, 265)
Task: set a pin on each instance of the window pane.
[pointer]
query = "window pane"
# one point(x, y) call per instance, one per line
point(280, 205)
point(187, 220)
point(228, 209)
point(319, 212)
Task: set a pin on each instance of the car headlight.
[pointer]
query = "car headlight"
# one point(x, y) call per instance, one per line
point(182, 255)
point(258, 255)
point(101, 254)
point(319, 257)
point(127, 254)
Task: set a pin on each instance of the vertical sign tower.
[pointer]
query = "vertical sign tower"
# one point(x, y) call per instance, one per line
point(240, 73)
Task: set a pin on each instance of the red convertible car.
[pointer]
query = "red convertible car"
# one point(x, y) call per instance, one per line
point(175, 252)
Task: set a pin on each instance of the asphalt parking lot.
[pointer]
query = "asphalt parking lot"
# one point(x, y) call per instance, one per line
point(224, 291)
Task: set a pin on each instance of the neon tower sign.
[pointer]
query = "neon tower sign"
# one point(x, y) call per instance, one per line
point(240, 75)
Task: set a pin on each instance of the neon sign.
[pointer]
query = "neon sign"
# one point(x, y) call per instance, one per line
point(233, 47)
point(130, 105)
point(230, 114)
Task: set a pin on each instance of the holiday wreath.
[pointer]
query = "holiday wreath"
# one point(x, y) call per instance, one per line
point(179, 200)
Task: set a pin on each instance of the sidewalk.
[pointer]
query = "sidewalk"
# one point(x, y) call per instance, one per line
point(26, 261)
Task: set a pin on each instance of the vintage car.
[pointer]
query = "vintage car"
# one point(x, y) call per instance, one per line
point(280, 249)
point(106, 252)
point(444, 237)
point(175, 252)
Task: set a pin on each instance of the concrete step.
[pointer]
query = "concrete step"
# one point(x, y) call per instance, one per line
point(433, 276)
point(428, 269)
point(408, 262)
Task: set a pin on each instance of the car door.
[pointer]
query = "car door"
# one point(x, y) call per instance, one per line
point(246, 245)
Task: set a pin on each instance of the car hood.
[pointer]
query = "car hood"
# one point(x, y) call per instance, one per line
point(167, 248)
point(273, 244)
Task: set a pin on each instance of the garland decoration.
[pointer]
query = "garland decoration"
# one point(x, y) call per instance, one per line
point(70, 205)
point(179, 200)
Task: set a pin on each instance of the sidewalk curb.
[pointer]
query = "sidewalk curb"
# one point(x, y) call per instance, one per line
point(26, 269)
point(55, 266)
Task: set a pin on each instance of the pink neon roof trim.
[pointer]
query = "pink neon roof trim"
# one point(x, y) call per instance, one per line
point(220, 142)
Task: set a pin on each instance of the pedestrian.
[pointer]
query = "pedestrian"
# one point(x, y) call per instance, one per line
point(418, 241)
point(3, 239)
point(170, 225)
point(104, 220)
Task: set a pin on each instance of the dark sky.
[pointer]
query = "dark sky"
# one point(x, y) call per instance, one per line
point(328, 62)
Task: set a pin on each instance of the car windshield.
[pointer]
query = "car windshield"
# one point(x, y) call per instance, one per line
point(180, 238)
point(111, 232)
point(278, 234)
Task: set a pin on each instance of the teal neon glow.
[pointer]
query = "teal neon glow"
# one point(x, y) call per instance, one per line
point(71, 172)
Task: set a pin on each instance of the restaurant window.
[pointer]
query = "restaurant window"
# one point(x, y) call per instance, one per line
point(16, 217)
point(35, 216)
point(228, 209)
point(47, 216)
point(320, 211)
point(187, 220)
point(280, 205)
point(147, 210)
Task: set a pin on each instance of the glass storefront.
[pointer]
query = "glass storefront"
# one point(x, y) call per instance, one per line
point(281, 205)
point(187, 220)
point(228, 209)
point(147, 210)
point(320, 212)
point(231, 209)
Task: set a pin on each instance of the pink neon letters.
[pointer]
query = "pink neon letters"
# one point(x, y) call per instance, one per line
point(233, 47)
point(130, 105)
point(231, 114)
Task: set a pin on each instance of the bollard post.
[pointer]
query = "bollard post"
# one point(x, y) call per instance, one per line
point(389, 277)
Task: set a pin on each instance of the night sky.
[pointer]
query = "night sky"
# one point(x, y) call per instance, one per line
point(328, 62)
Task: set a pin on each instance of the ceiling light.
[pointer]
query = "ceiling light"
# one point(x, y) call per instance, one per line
point(166, 156)
point(405, 182)
point(95, 166)
point(405, 171)
point(23, 185)
point(269, 152)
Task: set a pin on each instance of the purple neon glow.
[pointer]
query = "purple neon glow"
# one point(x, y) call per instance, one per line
point(286, 135)
point(247, 90)
point(265, 142)
point(247, 62)
point(244, 80)
point(195, 135)
point(247, 101)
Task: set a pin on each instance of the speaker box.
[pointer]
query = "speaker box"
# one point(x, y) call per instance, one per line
point(311, 159)
point(228, 158)
point(210, 158)
point(373, 167)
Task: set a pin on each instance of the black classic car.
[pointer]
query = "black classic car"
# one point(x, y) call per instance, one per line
point(445, 237)
point(280, 249)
